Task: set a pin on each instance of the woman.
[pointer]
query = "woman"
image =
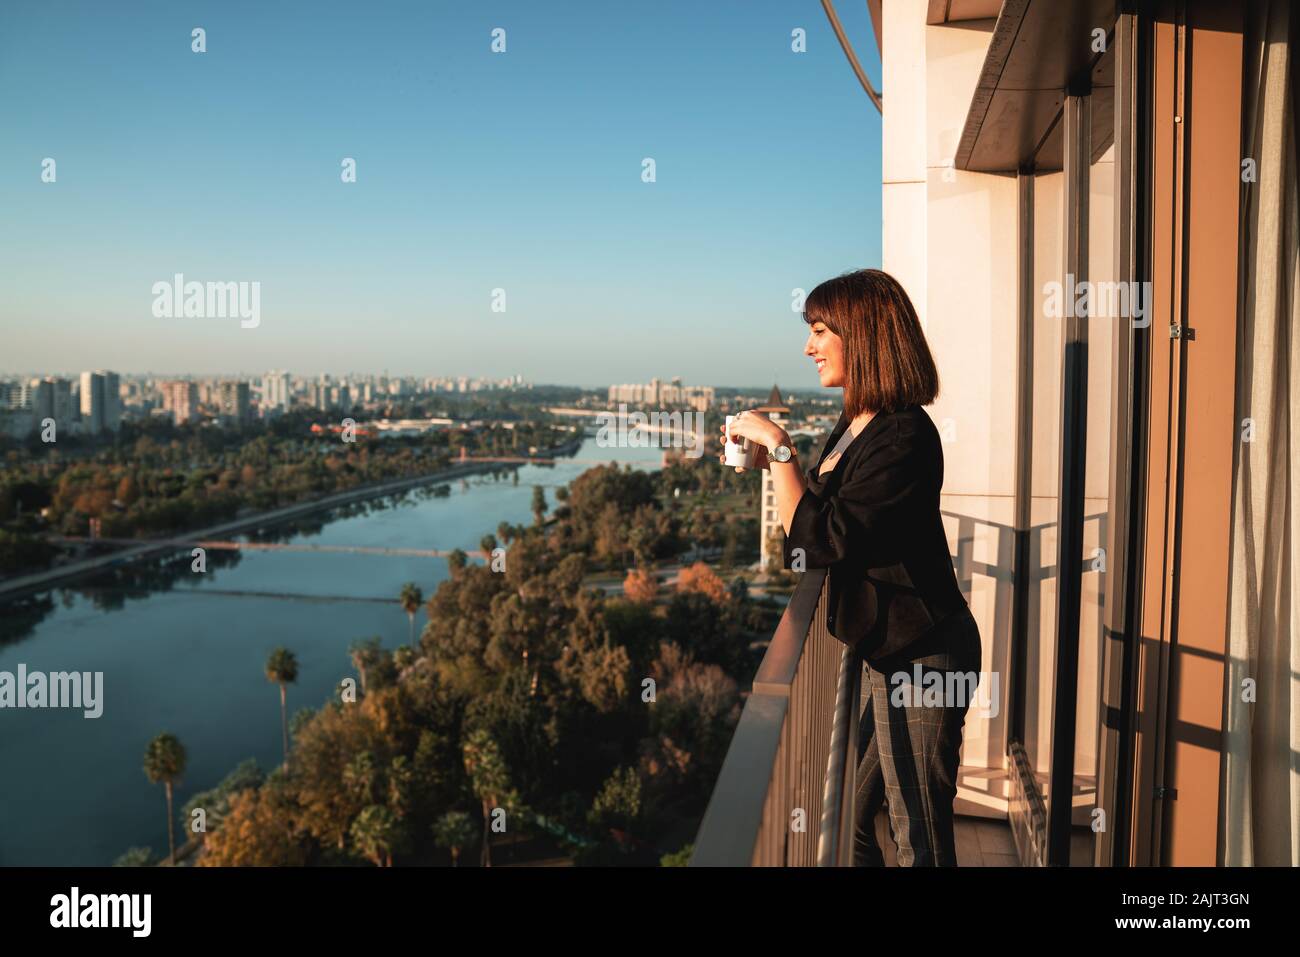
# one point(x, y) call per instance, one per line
point(869, 512)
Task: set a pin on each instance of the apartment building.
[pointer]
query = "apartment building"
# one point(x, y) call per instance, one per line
point(1093, 206)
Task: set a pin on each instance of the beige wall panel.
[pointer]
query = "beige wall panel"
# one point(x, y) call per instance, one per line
point(954, 56)
point(903, 88)
point(903, 213)
point(971, 327)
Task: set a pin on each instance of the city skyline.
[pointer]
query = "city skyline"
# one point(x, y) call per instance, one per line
point(100, 401)
point(24, 376)
point(475, 172)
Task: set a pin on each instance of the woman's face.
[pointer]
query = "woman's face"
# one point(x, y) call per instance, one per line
point(827, 350)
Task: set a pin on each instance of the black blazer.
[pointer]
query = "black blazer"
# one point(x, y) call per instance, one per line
point(874, 522)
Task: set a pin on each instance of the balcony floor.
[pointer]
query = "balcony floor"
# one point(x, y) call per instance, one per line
point(981, 842)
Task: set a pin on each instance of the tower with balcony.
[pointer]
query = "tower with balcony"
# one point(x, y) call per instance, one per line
point(771, 533)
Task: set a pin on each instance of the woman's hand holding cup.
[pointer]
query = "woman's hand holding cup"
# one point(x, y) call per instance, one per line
point(746, 438)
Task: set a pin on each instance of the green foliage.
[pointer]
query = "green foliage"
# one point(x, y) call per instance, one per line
point(135, 857)
point(678, 858)
point(411, 598)
point(524, 692)
point(215, 802)
point(377, 834)
point(454, 831)
point(618, 805)
point(300, 719)
point(282, 667)
point(164, 759)
point(155, 478)
point(21, 553)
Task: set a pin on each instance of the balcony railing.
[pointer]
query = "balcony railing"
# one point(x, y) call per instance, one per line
point(784, 796)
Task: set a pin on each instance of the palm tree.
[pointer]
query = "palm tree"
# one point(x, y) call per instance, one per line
point(490, 781)
point(453, 831)
point(282, 669)
point(411, 599)
point(364, 653)
point(539, 504)
point(164, 761)
point(486, 545)
point(376, 834)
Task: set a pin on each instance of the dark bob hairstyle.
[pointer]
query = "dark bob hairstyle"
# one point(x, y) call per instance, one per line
point(887, 362)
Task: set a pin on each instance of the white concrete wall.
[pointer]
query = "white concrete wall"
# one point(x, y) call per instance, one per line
point(950, 237)
point(903, 163)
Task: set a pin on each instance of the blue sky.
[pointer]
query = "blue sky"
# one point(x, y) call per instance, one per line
point(475, 171)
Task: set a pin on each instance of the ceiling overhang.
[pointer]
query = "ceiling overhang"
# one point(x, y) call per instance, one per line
point(954, 11)
point(1040, 50)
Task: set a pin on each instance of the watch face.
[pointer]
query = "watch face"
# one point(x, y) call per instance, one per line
point(781, 453)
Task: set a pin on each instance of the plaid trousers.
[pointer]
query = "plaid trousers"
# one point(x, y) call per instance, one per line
point(908, 749)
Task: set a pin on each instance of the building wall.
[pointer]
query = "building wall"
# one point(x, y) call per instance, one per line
point(771, 532)
point(949, 237)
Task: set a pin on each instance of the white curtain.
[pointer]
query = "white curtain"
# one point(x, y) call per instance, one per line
point(1260, 806)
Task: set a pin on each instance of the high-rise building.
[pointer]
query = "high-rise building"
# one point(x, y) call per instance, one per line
point(101, 403)
point(656, 394)
point(232, 403)
point(275, 392)
point(52, 398)
point(181, 399)
point(92, 402)
point(112, 401)
point(14, 395)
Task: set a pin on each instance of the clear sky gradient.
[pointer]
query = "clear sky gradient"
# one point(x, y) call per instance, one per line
point(475, 171)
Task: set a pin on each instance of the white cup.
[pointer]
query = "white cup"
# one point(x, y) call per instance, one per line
point(741, 454)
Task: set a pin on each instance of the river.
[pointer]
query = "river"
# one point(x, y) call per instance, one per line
point(185, 652)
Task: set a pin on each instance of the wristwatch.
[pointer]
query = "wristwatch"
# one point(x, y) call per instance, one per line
point(781, 453)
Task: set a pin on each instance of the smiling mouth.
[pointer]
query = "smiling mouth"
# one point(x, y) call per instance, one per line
point(821, 363)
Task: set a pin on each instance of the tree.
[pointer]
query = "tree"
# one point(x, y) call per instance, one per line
point(135, 857)
point(411, 599)
point(539, 504)
point(327, 779)
point(164, 762)
point(701, 578)
point(404, 657)
point(486, 545)
point(678, 858)
point(456, 561)
point(361, 778)
point(641, 585)
point(618, 805)
point(489, 779)
point(712, 631)
point(453, 831)
point(127, 490)
point(377, 833)
point(258, 831)
point(282, 669)
point(365, 653)
point(215, 802)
